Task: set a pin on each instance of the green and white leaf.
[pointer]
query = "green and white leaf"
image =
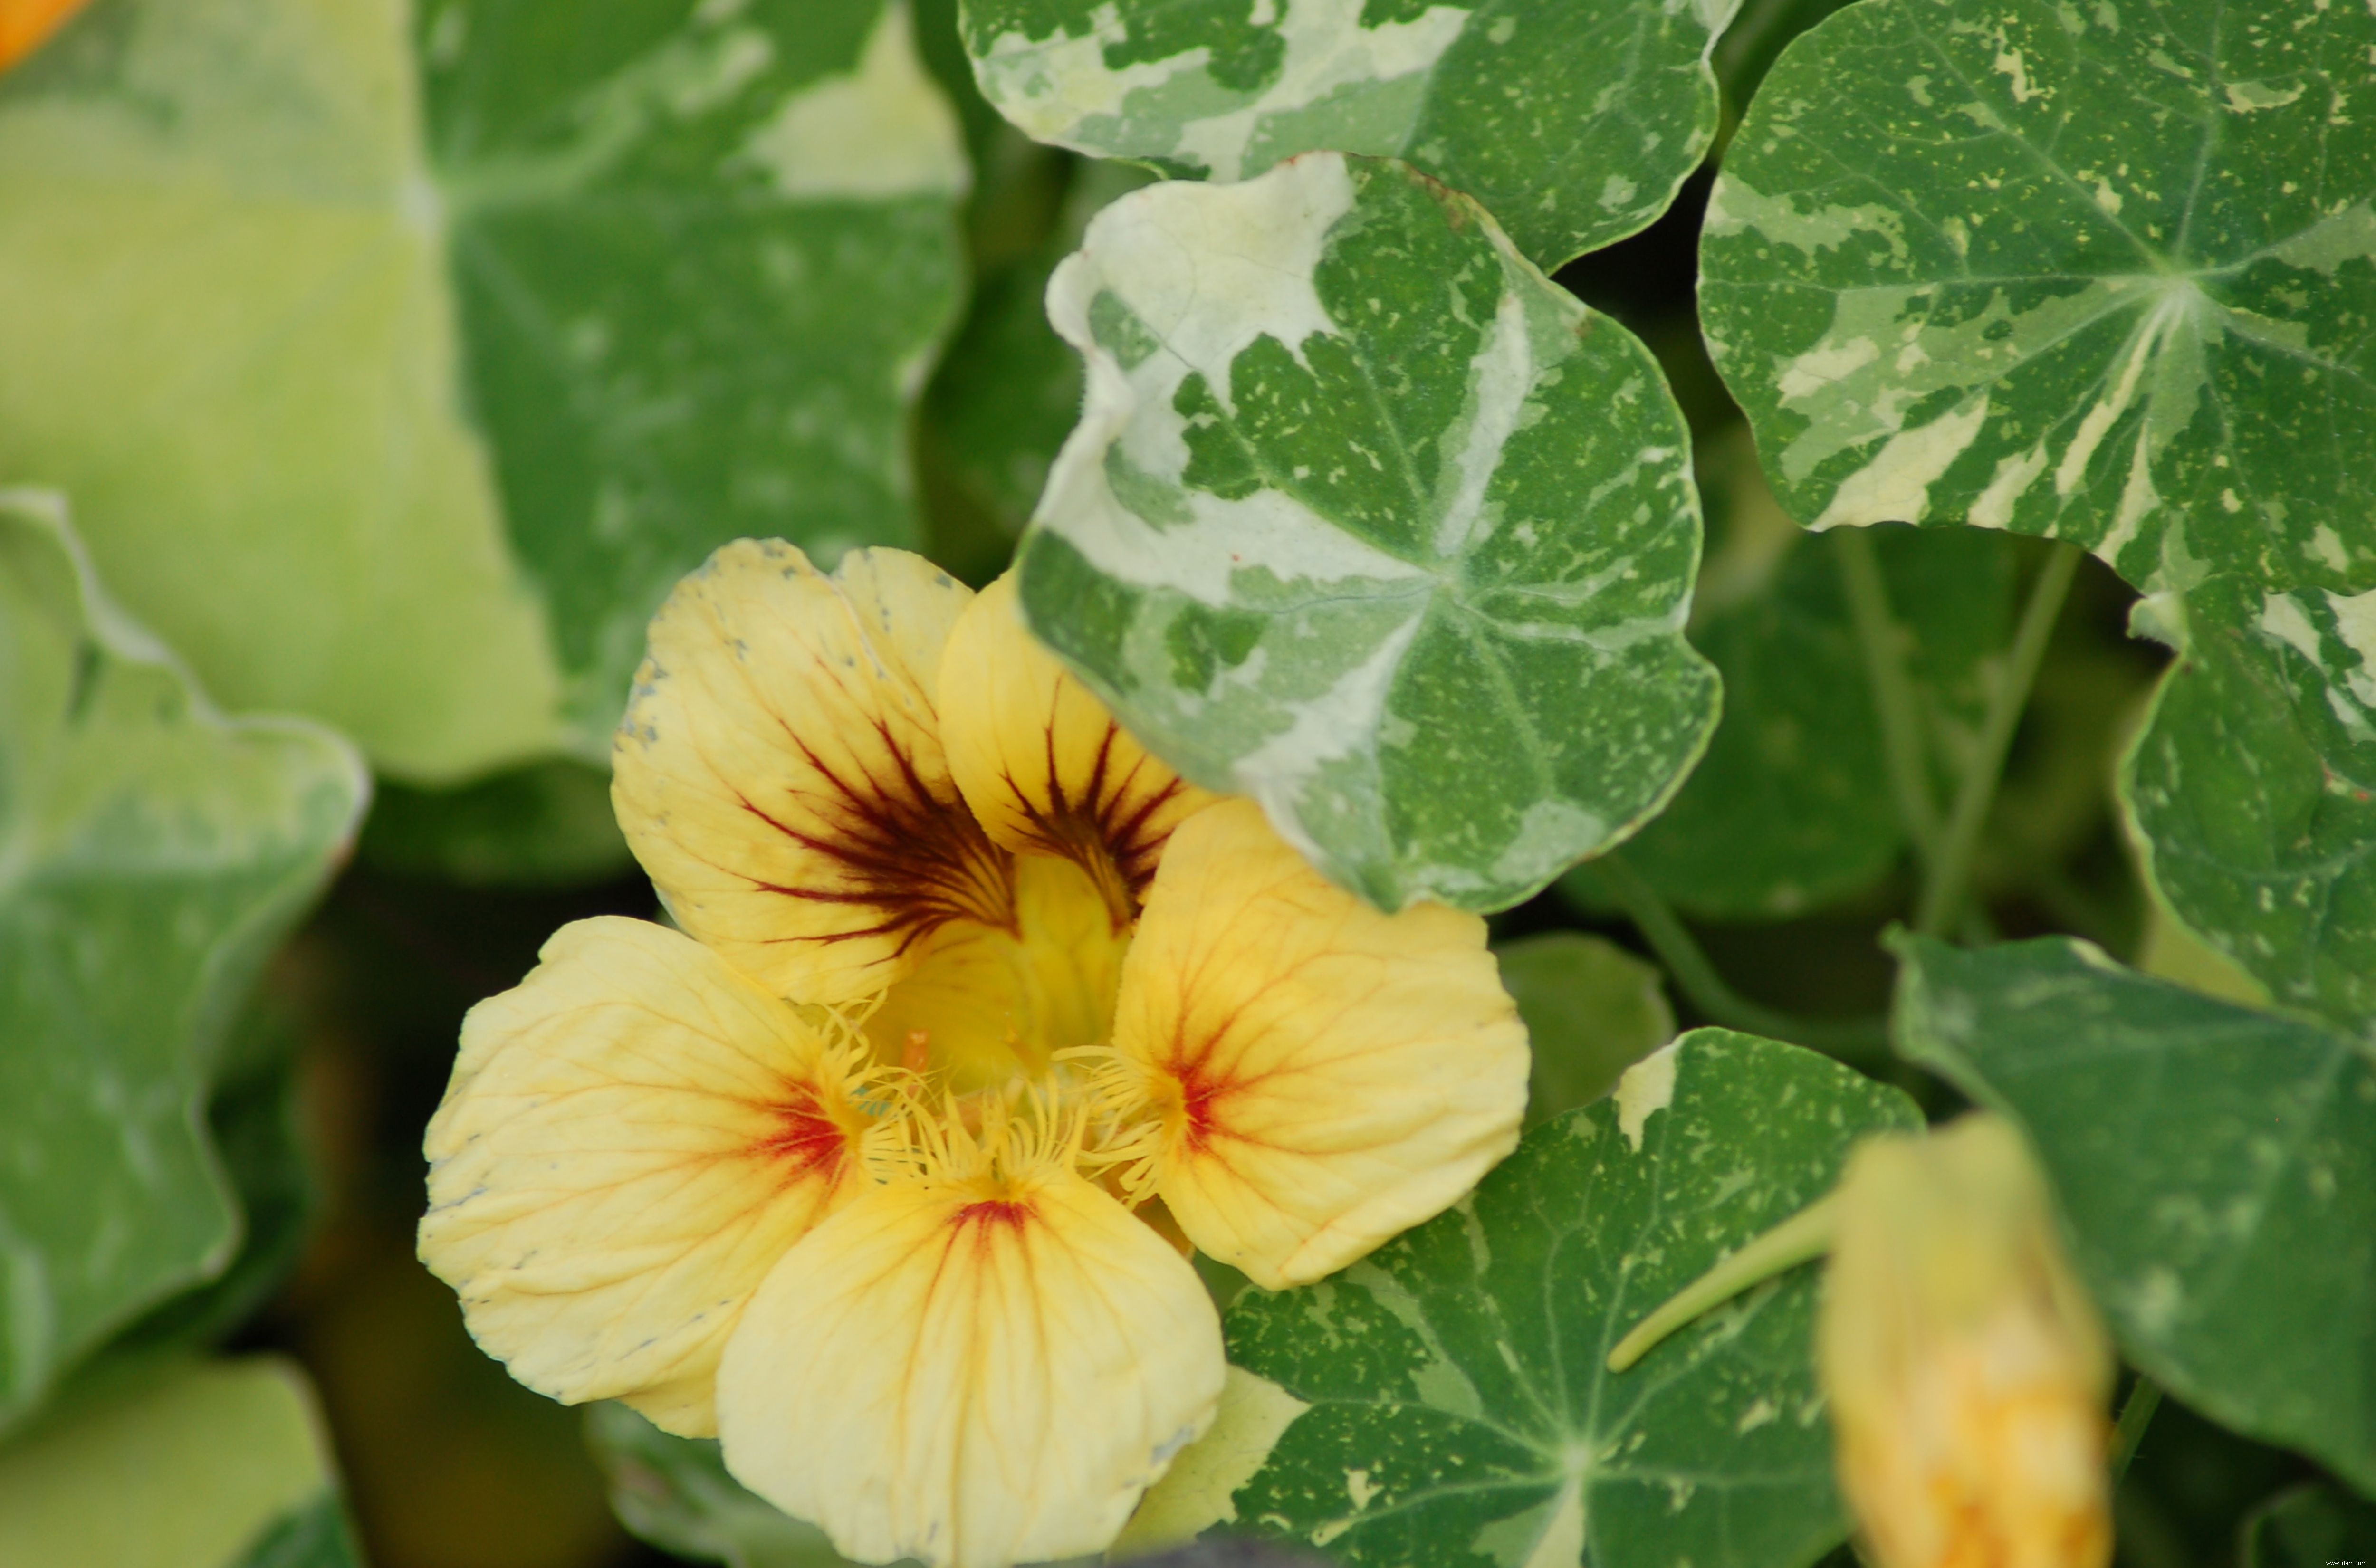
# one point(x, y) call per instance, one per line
point(455, 347)
point(1457, 1404)
point(1572, 124)
point(675, 1493)
point(2104, 272)
point(187, 1465)
point(2250, 789)
point(1791, 809)
point(1367, 519)
point(1591, 1010)
point(2215, 1165)
point(152, 853)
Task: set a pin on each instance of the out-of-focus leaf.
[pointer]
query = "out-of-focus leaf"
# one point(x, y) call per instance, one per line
point(545, 825)
point(184, 1465)
point(2250, 789)
point(1591, 1009)
point(1572, 124)
point(2104, 272)
point(1792, 809)
point(151, 855)
point(2317, 1525)
point(446, 349)
point(674, 1492)
point(1369, 520)
point(2215, 1165)
point(1455, 1404)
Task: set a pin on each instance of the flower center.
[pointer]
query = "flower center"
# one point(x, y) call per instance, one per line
point(984, 1007)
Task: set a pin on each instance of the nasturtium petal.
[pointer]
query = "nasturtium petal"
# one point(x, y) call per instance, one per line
point(2215, 1165)
point(970, 1372)
point(1574, 123)
point(1042, 764)
point(634, 1136)
point(781, 773)
point(465, 328)
point(2103, 272)
point(2248, 789)
point(1461, 1411)
point(152, 855)
point(1367, 519)
point(674, 1492)
point(25, 24)
point(1325, 1076)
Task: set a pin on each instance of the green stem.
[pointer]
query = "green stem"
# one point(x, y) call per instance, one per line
point(1806, 1234)
point(1850, 1039)
point(2136, 1415)
point(1880, 638)
point(1943, 893)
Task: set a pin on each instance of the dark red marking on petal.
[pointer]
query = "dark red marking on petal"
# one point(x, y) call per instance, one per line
point(992, 1215)
point(808, 1140)
point(1106, 828)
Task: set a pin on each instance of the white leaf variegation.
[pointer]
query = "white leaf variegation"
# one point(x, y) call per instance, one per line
point(1367, 519)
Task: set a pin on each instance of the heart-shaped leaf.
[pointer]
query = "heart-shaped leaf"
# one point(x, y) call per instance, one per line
point(1369, 520)
point(2215, 1165)
point(2104, 272)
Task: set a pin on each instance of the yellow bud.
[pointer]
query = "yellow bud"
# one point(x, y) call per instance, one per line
point(1966, 1371)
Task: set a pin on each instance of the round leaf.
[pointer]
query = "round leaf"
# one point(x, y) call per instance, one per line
point(2102, 271)
point(1459, 1404)
point(1369, 520)
point(1574, 123)
point(2216, 1169)
point(1591, 1010)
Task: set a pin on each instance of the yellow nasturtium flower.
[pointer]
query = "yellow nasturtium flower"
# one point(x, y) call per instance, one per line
point(1965, 1366)
point(877, 1167)
point(26, 25)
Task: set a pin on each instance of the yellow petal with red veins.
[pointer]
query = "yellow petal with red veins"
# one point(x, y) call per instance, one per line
point(634, 1136)
point(1324, 1076)
point(781, 774)
point(970, 1374)
point(1042, 763)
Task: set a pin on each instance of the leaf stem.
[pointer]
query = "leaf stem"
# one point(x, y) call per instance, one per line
point(1850, 1039)
point(1942, 891)
point(1806, 1234)
point(2136, 1414)
point(1880, 638)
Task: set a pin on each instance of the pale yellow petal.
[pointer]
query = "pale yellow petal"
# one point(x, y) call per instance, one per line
point(635, 1135)
point(1327, 1075)
point(967, 1381)
point(781, 774)
point(1042, 763)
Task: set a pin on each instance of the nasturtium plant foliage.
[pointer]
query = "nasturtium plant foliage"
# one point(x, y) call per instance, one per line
point(1574, 123)
point(2104, 272)
point(1456, 1405)
point(141, 834)
point(1367, 519)
point(1289, 548)
point(468, 328)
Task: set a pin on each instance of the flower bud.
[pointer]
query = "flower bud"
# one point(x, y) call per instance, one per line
point(1965, 1369)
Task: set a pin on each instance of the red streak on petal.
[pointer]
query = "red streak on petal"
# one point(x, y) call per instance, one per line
point(991, 1214)
point(809, 1142)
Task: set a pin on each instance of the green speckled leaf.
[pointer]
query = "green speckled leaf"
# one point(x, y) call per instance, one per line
point(1791, 809)
point(2217, 1169)
point(1460, 1412)
point(1591, 1010)
point(1367, 519)
point(2316, 1525)
point(2103, 270)
point(152, 854)
point(450, 350)
point(1572, 123)
point(177, 1464)
point(2249, 787)
point(674, 1492)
